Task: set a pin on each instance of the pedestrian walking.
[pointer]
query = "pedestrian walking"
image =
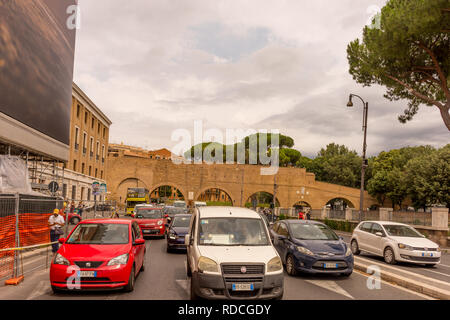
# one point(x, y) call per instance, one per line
point(72, 206)
point(301, 215)
point(56, 224)
point(80, 209)
point(308, 215)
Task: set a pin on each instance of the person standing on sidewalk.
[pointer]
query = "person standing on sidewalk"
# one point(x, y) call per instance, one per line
point(56, 223)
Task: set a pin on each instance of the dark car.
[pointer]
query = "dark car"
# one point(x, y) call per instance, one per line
point(311, 247)
point(177, 230)
point(172, 211)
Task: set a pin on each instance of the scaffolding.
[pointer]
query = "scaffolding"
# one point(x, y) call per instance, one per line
point(40, 169)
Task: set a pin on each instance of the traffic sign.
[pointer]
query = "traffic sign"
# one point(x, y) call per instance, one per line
point(53, 186)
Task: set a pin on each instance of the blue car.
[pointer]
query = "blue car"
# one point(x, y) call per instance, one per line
point(307, 246)
point(177, 230)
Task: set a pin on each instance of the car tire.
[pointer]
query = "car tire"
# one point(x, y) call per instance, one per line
point(188, 269)
point(193, 295)
point(290, 266)
point(389, 256)
point(56, 290)
point(143, 265)
point(75, 221)
point(355, 247)
point(130, 285)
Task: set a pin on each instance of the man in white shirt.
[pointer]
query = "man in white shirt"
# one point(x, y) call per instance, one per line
point(56, 223)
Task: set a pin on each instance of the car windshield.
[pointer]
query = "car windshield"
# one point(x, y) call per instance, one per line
point(181, 222)
point(149, 214)
point(99, 233)
point(173, 211)
point(401, 231)
point(179, 204)
point(309, 231)
point(232, 232)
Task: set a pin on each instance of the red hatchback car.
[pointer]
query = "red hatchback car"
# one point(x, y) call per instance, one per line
point(151, 220)
point(99, 254)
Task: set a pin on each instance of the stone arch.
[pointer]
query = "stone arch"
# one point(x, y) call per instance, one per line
point(248, 198)
point(342, 203)
point(202, 191)
point(130, 182)
point(173, 185)
point(302, 203)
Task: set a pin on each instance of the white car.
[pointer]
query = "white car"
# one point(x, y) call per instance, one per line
point(395, 242)
point(230, 256)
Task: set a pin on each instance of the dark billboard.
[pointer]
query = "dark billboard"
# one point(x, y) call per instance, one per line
point(36, 64)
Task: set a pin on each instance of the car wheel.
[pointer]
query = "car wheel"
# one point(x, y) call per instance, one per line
point(143, 265)
point(56, 290)
point(389, 256)
point(130, 286)
point(75, 221)
point(193, 295)
point(188, 269)
point(355, 247)
point(290, 266)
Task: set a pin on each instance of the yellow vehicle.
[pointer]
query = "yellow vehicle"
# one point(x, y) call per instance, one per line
point(136, 196)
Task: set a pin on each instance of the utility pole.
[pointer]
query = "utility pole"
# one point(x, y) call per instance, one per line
point(274, 196)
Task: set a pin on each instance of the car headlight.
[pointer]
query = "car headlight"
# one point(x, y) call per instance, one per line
point(122, 259)
point(160, 222)
point(349, 252)
point(404, 246)
point(206, 264)
point(274, 265)
point(305, 251)
point(59, 259)
point(172, 236)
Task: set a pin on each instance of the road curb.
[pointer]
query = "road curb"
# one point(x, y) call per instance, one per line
point(408, 283)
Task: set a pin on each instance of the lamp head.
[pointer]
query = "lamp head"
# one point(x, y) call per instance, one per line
point(350, 103)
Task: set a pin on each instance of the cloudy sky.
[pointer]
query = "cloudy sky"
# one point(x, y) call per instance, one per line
point(157, 66)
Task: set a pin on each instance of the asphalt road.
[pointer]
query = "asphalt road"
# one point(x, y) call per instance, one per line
point(165, 279)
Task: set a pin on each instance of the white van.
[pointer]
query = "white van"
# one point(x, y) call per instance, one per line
point(230, 256)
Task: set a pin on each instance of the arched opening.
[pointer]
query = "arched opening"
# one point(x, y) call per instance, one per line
point(122, 189)
point(261, 199)
point(165, 194)
point(215, 197)
point(338, 204)
point(302, 206)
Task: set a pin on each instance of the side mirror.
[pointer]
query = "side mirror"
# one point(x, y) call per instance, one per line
point(341, 238)
point(138, 242)
point(379, 234)
point(187, 239)
point(166, 216)
point(62, 240)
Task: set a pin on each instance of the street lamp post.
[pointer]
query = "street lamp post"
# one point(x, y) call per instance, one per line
point(364, 160)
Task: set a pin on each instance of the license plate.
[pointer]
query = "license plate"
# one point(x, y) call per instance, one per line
point(242, 287)
point(151, 231)
point(330, 265)
point(427, 254)
point(87, 274)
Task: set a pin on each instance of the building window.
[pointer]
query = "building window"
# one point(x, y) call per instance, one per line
point(85, 117)
point(84, 143)
point(82, 168)
point(64, 191)
point(82, 193)
point(96, 172)
point(88, 194)
point(74, 192)
point(78, 110)
point(74, 165)
point(90, 170)
point(103, 153)
point(77, 133)
point(92, 123)
point(98, 151)
point(91, 152)
point(104, 133)
point(101, 174)
point(98, 128)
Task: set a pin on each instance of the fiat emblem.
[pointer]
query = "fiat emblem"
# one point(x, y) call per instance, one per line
point(88, 264)
point(243, 269)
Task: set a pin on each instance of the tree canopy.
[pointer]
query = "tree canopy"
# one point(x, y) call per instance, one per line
point(408, 54)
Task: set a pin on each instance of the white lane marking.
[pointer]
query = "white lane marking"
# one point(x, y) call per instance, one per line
point(396, 286)
point(446, 283)
point(332, 286)
point(185, 285)
point(41, 288)
point(444, 274)
point(444, 265)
